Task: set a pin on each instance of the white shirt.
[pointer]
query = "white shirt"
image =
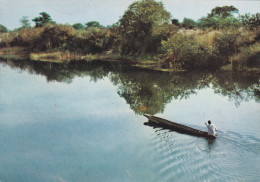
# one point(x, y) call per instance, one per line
point(211, 129)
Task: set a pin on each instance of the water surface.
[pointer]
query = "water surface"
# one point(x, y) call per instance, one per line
point(83, 122)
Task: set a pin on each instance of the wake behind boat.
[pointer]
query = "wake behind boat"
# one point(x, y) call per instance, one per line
point(160, 122)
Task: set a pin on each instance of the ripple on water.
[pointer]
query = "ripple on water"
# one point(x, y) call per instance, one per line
point(174, 155)
point(234, 157)
point(231, 157)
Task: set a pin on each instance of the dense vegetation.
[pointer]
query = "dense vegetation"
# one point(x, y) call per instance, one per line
point(146, 30)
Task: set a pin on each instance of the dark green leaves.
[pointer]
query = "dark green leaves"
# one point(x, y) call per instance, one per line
point(42, 20)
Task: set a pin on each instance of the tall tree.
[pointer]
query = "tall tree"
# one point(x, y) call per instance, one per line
point(42, 20)
point(220, 17)
point(223, 12)
point(137, 24)
point(25, 22)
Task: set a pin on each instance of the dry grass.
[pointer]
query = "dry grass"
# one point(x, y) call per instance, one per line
point(12, 50)
point(207, 39)
point(14, 53)
point(45, 56)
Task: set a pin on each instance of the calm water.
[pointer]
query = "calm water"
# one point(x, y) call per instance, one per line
point(83, 122)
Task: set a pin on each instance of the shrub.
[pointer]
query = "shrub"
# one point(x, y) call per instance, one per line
point(184, 51)
point(225, 43)
point(207, 38)
point(246, 57)
point(55, 36)
point(92, 40)
point(188, 23)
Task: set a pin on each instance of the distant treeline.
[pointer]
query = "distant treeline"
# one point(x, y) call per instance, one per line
point(222, 38)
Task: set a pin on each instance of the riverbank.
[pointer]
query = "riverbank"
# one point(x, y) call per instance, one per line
point(18, 53)
point(151, 62)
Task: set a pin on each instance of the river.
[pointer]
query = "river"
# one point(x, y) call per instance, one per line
point(81, 121)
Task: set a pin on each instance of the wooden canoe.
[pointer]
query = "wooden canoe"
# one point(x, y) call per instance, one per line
point(160, 122)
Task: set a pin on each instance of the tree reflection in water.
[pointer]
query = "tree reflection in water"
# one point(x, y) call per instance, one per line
point(144, 90)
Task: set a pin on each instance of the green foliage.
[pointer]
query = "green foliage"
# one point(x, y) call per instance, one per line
point(225, 46)
point(78, 26)
point(93, 24)
point(225, 43)
point(188, 23)
point(185, 52)
point(145, 29)
point(220, 17)
point(160, 33)
point(3, 29)
point(95, 39)
point(42, 20)
point(218, 22)
point(92, 40)
point(55, 36)
point(175, 22)
point(39, 39)
point(25, 22)
point(205, 22)
point(223, 12)
point(137, 24)
point(196, 50)
point(248, 56)
point(250, 20)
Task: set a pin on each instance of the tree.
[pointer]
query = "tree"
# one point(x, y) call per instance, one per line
point(175, 22)
point(25, 22)
point(94, 24)
point(220, 17)
point(3, 29)
point(250, 20)
point(55, 36)
point(218, 22)
point(137, 24)
point(78, 26)
point(188, 23)
point(42, 20)
point(223, 12)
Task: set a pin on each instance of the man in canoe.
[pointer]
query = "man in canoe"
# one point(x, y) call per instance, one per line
point(211, 128)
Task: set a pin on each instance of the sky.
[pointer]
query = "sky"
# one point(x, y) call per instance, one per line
point(108, 12)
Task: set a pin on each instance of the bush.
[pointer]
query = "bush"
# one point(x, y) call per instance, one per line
point(248, 56)
point(188, 23)
point(55, 36)
point(92, 40)
point(225, 43)
point(159, 33)
point(184, 51)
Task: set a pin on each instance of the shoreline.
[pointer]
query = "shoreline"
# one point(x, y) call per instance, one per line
point(22, 53)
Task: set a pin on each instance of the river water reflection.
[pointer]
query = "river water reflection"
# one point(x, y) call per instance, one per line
point(83, 121)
